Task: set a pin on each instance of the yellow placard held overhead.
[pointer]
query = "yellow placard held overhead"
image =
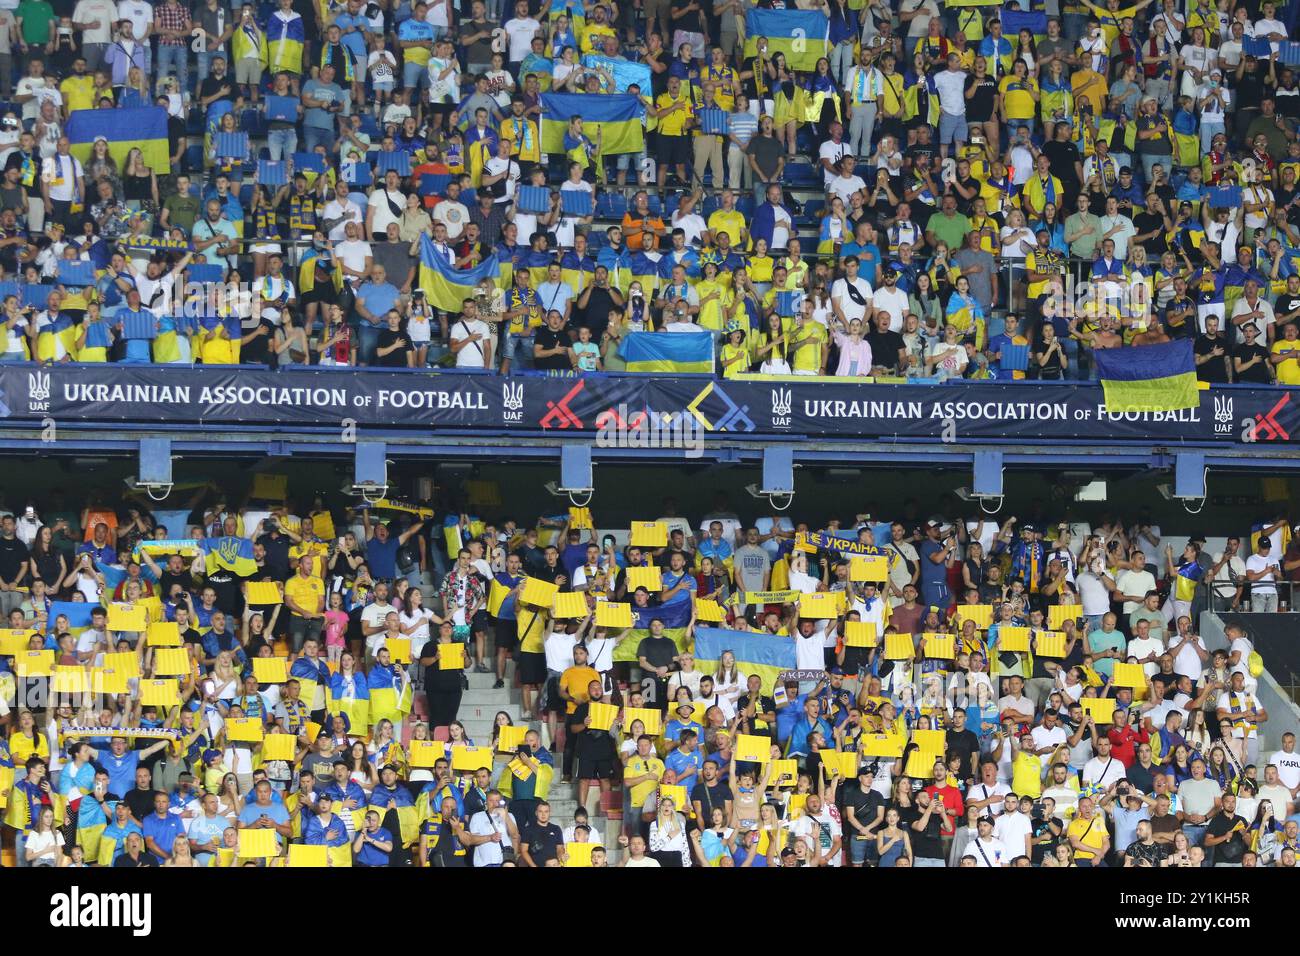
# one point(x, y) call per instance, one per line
point(644, 577)
point(263, 592)
point(1013, 639)
point(1058, 614)
point(580, 519)
point(785, 773)
point(1049, 644)
point(322, 525)
point(939, 646)
point(869, 569)
point(860, 634)
point(123, 662)
point(537, 592)
point(753, 748)
point(613, 614)
point(822, 606)
point(423, 754)
point(1128, 675)
point(69, 680)
point(678, 795)
point(246, 729)
point(271, 670)
point(651, 720)
point(920, 765)
point(451, 656)
point(882, 745)
point(279, 747)
point(931, 741)
point(899, 647)
point(649, 534)
point(1100, 709)
point(258, 844)
point(14, 641)
point(270, 487)
point(981, 614)
point(510, 738)
point(105, 680)
point(567, 605)
point(162, 692)
point(34, 663)
point(153, 608)
point(708, 611)
point(602, 715)
point(399, 649)
point(127, 617)
point(163, 634)
point(171, 662)
point(840, 764)
point(579, 854)
point(468, 759)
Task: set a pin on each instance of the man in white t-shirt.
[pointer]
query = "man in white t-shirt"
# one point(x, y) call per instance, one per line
point(1246, 713)
point(1189, 652)
point(451, 212)
point(817, 824)
point(1145, 648)
point(851, 296)
point(521, 29)
point(1134, 583)
point(951, 84)
point(1229, 567)
point(1263, 571)
point(890, 298)
point(1287, 762)
point(1049, 734)
point(831, 152)
point(1103, 769)
point(471, 339)
point(847, 182)
point(1014, 829)
point(986, 850)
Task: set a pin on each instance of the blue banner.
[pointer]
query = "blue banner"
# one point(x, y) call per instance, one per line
point(625, 72)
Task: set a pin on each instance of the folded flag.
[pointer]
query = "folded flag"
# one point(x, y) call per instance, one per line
point(787, 305)
point(447, 287)
point(145, 127)
point(615, 116)
point(1149, 378)
point(803, 36)
point(673, 352)
point(229, 553)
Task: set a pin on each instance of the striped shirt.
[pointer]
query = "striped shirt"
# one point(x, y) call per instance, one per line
point(743, 126)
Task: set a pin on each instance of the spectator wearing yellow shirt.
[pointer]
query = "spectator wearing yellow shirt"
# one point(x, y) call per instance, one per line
point(809, 344)
point(642, 772)
point(673, 111)
point(216, 347)
point(525, 143)
point(1087, 835)
point(1286, 355)
point(728, 219)
point(304, 595)
point(1019, 97)
point(78, 88)
point(709, 148)
point(723, 77)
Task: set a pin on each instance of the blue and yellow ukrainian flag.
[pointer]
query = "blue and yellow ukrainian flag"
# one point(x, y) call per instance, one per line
point(764, 654)
point(145, 126)
point(1149, 378)
point(617, 116)
point(803, 36)
point(231, 553)
point(446, 287)
point(667, 352)
point(284, 44)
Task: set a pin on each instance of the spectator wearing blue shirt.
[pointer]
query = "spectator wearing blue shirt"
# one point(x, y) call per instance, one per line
point(809, 721)
point(375, 297)
point(99, 547)
point(207, 830)
point(686, 759)
point(218, 639)
point(264, 813)
point(373, 844)
point(344, 790)
point(934, 553)
point(415, 72)
point(120, 763)
point(678, 583)
point(354, 26)
point(325, 828)
point(714, 546)
point(161, 828)
point(323, 100)
point(119, 829)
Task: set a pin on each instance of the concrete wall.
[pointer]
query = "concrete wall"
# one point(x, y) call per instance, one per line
point(1283, 714)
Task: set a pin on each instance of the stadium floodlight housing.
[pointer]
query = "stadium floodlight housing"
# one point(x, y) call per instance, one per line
point(369, 491)
point(773, 496)
point(984, 501)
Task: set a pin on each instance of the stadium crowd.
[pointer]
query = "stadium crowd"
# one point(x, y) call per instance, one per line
point(928, 199)
point(267, 686)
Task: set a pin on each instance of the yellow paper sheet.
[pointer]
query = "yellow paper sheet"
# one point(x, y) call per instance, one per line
point(648, 534)
point(1058, 614)
point(567, 605)
point(399, 649)
point(644, 577)
point(247, 729)
point(882, 745)
point(752, 748)
point(451, 657)
point(123, 662)
point(425, 753)
point(930, 741)
point(651, 719)
point(70, 680)
point(860, 634)
point(163, 634)
point(785, 773)
point(869, 569)
point(14, 641)
point(537, 592)
point(105, 680)
point(708, 611)
point(470, 758)
point(270, 487)
point(171, 662)
point(1013, 639)
point(579, 855)
point(122, 617)
point(258, 844)
point(940, 646)
point(580, 519)
point(279, 747)
point(840, 764)
point(981, 614)
point(613, 614)
point(819, 606)
point(264, 592)
point(1049, 644)
point(899, 647)
point(301, 855)
point(322, 525)
point(161, 692)
point(1102, 709)
point(511, 738)
point(1128, 675)
point(34, 663)
point(271, 670)
point(602, 715)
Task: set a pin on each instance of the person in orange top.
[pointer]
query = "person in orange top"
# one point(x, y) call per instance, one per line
point(642, 229)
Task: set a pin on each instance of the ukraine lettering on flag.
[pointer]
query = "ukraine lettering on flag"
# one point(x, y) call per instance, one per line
point(668, 352)
point(803, 36)
point(447, 287)
point(615, 116)
point(144, 126)
point(1149, 378)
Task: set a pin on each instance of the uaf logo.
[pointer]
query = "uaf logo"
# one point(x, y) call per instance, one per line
point(781, 403)
point(38, 391)
point(1223, 423)
point(512, 401)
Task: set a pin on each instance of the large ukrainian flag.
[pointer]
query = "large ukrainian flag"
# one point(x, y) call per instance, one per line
point(144, 126)
point(756, 653)
point(667, 351)
point(445, 287)
point(803, 36)
point(617, 116)
point(1149, 378)
point(229, 553)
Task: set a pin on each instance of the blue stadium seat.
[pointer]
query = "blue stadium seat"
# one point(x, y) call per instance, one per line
point(745, 205)
point(671, 203)
point(802, 176)
point(370, 126)
point(655, 205)
point(711, 205)
point(253, 122)
point(194, 157)
point(812, 209)
point(246, 195)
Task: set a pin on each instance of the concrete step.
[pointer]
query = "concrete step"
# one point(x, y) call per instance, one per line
point(485, 696)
